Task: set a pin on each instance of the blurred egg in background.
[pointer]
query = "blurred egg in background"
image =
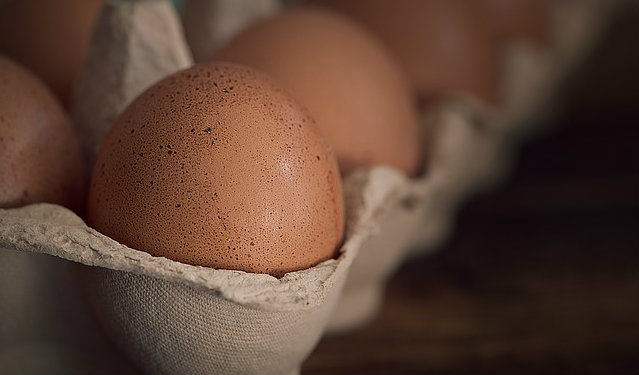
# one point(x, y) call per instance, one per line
point(444, 46)
point(40, 154)
point(518, 20)
point(51, 38)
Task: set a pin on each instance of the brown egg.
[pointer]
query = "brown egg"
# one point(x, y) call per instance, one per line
point(40, 157)
point(444, 46)
point(50, 38)
point(347, 80)
point(513, 20)
point(217, 166)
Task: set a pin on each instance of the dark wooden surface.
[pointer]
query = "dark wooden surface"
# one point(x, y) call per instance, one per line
point(541, 274)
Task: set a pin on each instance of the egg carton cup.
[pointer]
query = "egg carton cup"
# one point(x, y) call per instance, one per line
point(171, 317)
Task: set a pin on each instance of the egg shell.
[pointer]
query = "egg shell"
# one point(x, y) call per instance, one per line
point(346, 78)
point(40, 157)
point(444, 46)
point(217, 166)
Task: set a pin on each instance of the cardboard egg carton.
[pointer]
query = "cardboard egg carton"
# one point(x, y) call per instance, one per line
point(170, 317)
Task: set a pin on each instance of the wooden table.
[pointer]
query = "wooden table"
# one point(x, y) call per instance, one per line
point(541, 275)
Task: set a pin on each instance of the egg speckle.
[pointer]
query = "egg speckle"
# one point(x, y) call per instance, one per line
point(217, 166)
point(347, 79)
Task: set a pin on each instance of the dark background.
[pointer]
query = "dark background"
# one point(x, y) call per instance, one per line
point(542, 273)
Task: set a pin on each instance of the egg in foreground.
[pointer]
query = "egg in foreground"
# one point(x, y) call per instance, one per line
point(217, 166)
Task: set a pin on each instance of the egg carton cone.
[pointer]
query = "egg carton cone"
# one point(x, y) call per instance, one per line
point(134, 44)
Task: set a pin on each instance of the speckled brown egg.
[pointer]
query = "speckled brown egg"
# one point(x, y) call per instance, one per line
point(40, 157)
point(217, 166)
point(345, 77)
point(444, 46)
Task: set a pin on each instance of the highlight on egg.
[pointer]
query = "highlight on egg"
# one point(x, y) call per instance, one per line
point(349, 82)
point(217, 166)
point(40, 155)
